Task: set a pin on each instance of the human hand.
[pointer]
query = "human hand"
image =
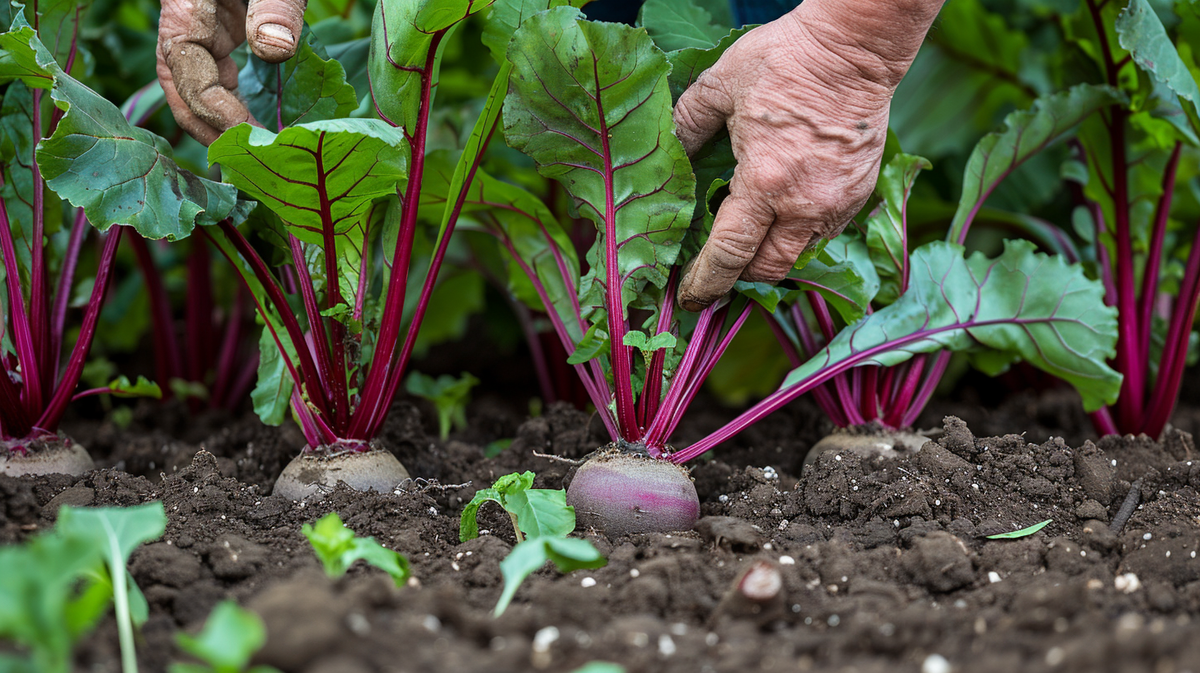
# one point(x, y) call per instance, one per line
point(195, 39)
point(805, 99)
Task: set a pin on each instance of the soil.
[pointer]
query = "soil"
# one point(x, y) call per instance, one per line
point(885, 563)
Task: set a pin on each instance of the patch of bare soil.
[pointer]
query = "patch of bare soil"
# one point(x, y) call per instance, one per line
point(884, 563)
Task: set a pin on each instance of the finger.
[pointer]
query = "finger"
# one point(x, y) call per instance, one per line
point(738, 230)
point(701, 111)
point(204, 89)
point(781, 247)
point(273, 28)
point(187, 120)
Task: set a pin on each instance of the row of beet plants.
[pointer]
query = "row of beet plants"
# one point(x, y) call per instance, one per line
point(340, 216)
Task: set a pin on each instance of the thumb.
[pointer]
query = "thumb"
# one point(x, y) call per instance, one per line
point(738, 231)
point(701, 112)
point(273, 28)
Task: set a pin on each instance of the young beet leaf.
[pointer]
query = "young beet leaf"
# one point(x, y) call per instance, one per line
point(343, 199)
point(84, 149)
point(593, 110)
point(448, 394)
point(229, 638)
point(338, 548)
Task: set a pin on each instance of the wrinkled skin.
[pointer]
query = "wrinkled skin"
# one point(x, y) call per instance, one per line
point(195, 39)
point(805, 99)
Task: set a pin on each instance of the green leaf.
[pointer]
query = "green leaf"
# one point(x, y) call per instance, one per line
point(57, 22)
point(272, 392)
point(317, 177)
point(1026, 133)
point(338, 548)
point(144, 387)
point(541, 512)
point(448, 394)
point(468, 524)
point(567, 554)
point(313, 87)
point(1141, 32)
point(593, 345)
point(887, 233)
point(404, 37)
point(600, 667)
point(680, 24)
point(606, 133)
point(640, 341)
point(505, 17)
point(231, 635)
point(97, 160)
point(1022, 302)
point(1024, 532)
point(849, 248)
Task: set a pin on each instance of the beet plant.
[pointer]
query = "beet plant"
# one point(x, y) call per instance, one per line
point(592, 108)
point(889, 399)
point(65, 144)
point(343, 202)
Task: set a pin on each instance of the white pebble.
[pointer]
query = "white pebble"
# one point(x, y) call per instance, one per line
point(935, 663)
point(993, 576)
point(787, 561)
point(587, 582)
point(1127, 583)
point(544, 638)
point(666, 646)
point(1147, 536)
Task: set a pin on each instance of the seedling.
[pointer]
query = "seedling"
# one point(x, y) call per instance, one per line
point(542, 520)
point(534, 512)
point(1024, 532)
point(57, 586)
point(448, 394)
point(229, 638)
point(338, 548)
point(601, 126)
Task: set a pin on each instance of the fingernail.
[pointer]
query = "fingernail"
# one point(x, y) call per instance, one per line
point(275, 35)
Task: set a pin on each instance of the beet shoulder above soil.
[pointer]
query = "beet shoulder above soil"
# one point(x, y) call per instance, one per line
point(884, 563)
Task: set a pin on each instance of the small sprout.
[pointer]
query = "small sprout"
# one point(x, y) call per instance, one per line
point(229, 638)
point(534, 512)
point(1024, 532)
point(600, 667)
point(338, 548)
point(143, 387)
point(593, 344)
point(567, 554)
point(448, 394)
point(185, 390)
point(496, 447)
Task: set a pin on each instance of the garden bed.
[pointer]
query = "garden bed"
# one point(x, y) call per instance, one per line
point(883, 563)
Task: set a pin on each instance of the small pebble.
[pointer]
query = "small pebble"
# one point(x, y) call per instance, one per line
point(935, 663)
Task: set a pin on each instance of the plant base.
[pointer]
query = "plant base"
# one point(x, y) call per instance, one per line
point(619, 492)
point(315, 471)
point(868, 443)
point(55, 456)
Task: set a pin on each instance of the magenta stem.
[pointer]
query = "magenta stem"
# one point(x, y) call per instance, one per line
point(66, 279)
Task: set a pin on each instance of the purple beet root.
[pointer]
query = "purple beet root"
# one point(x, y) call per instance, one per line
point(622, 493)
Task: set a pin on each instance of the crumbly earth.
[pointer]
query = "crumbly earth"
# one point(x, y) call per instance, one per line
point(885, 563)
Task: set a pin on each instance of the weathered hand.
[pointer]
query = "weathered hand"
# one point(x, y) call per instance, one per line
point(805, 99)
point(195, 38)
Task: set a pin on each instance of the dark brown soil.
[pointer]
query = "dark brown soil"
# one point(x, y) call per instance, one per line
point(885, 564)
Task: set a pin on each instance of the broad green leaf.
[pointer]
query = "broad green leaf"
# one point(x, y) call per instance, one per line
point(680, 24)
point(541, 512)
point(272, 392)
point(337, 547)
point(1026, 133)
point(1142, 33)
point(57, 22)
point(143, 387)
point(850, 248)
point(231, 635)
point(567, 554)
point(839, 284)
point(24, 57)
point(506, 16)
point(1022, 302)
point(405, 40)
point(1024, 532)
point(514, 483)
point(887, 231)
point(17, 150)
point(606, 134)
point(38, 599)
point(308, 87)
point(317, 177)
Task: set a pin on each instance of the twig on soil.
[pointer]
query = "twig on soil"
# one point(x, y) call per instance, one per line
point(1127, 507)
point(424, 485)
point(558, 459)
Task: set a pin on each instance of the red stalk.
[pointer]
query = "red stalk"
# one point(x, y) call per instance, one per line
point(1174, 358)
point(39, 303)
point(1154, 259)
point(22, 334)
point(201, 337)
point(167, 361)
point(333, 297)
point(66, 278)
point(316, 326)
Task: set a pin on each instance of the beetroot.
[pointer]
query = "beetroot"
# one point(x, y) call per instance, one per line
point(621, 492)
